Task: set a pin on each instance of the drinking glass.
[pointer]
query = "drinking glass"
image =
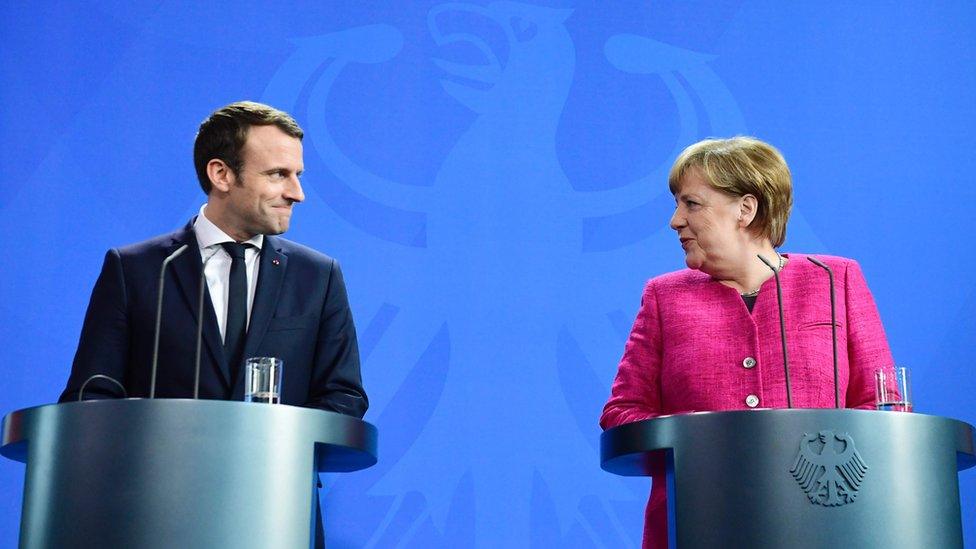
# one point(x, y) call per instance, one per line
point(893, 389)
point(262, 379)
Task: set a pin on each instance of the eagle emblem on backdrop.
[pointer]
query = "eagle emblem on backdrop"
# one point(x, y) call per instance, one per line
point(829, 468)
point(483, 204)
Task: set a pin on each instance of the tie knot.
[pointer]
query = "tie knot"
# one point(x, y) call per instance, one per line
point(234, 249)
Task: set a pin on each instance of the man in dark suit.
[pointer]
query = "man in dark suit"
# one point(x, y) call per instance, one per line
point(264, 295)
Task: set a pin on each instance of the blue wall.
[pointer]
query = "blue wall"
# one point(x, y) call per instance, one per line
point(492, 177)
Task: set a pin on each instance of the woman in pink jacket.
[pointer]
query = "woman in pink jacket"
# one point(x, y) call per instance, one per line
point(707, 338)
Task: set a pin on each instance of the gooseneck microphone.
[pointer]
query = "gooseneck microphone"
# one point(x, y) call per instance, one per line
point(203, 289)
point(833, 323)
point(81, 392)
point(782, 329)
point(159, 314)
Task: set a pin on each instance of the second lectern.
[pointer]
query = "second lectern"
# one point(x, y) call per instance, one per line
point(802, 478)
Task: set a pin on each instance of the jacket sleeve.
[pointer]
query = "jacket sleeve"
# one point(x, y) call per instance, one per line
point(104, 344)
point(636, 391)
point(867, 346)
point(336, 383)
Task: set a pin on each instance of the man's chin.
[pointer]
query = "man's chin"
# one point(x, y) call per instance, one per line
point(278, 227)
point(272, 229)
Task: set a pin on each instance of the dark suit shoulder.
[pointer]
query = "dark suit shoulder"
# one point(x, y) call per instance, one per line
point(300, 253)
point(141, 259)
point(162, 244)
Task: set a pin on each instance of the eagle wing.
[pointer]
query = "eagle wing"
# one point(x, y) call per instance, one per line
point(849, 463)
point(807, 463)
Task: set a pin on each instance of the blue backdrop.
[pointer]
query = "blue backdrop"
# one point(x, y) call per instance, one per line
point(493, 178)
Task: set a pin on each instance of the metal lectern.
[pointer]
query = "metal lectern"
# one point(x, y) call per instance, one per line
point(802, 478)
point(139, 473)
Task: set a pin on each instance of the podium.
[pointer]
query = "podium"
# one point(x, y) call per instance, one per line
point(139, 473)
point(802, 478)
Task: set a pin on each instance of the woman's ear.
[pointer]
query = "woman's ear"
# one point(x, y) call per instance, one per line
point(748, 208)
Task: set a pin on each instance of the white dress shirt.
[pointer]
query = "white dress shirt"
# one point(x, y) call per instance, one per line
point(216, 262)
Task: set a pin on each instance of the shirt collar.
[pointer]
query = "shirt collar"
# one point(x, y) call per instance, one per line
point(209, 235)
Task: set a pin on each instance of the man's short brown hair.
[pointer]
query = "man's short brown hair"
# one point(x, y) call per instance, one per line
point(223, 134)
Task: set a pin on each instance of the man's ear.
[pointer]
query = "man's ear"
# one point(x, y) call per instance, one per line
point(220, 174)
point(748, 208)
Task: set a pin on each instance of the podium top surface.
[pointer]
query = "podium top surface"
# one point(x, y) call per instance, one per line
point(341, 443)
point(630, 449)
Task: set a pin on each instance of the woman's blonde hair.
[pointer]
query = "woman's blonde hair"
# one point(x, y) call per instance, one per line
point(740, 166)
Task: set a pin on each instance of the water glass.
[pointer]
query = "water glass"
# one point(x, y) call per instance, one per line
point(262, 379)
point(893, 389)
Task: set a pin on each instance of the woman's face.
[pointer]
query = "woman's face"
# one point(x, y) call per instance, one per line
point(707, 222)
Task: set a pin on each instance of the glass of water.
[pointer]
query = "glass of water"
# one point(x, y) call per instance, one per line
point(893, 389)
point(262, 379)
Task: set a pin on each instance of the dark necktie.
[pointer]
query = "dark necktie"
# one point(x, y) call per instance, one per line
point(236, 328)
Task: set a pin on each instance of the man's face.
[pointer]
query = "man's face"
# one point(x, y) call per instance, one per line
point(260, 199)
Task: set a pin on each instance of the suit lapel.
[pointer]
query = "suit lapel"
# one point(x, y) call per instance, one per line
point(188, 269)
point(271, 275)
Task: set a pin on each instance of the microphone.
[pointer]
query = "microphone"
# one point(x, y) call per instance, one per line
point(159, 314)
point(196, 362)
point(782, 329)
point(833, 323)
point(81, 392)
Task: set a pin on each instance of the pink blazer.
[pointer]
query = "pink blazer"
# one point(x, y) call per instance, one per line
point(696, 347)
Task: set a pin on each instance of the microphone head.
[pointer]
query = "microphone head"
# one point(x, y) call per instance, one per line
point(766, 262)
point(179, 251)
point(817, 262)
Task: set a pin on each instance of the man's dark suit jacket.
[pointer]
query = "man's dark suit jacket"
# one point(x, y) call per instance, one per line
point(300, 314)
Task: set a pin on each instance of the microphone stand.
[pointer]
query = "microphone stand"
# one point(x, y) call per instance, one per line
point(782, 328)
point(159, 314)
point(203, 286)
point(833, 323)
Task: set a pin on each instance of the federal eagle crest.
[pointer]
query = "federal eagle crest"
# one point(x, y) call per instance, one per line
point(829, 468)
